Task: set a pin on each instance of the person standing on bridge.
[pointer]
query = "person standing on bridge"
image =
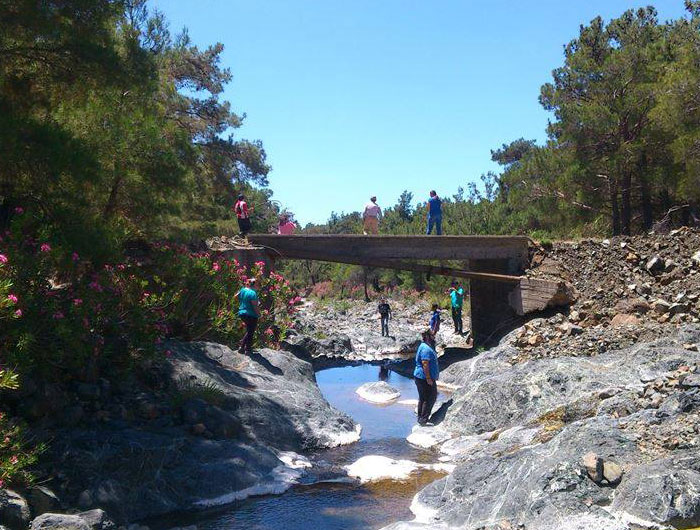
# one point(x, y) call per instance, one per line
point(371, 217)
point(285, 227)
point(457, 300)
point(243, 215)
point(249, 312)
point(426, 373)
point(434, 214)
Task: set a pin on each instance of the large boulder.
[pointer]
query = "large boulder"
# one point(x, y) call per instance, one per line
point(14, 510)
point(547, 444)
point(379, 392)
point(240, 413)
point(90, 520)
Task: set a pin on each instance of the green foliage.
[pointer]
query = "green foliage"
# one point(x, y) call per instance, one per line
point(187, 388)
point(65, 317)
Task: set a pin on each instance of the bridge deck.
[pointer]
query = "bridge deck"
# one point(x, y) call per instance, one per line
point(364, 249)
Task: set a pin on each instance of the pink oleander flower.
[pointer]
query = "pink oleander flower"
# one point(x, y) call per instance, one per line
point(14, 459)
point(12, 298)
point(45, 247)
point(77, 302)
point(75, 256)
point(269, 332)
point(215, 266)
point(58, 315)
point(18, 313)
point(19, 210)
point(3, 258)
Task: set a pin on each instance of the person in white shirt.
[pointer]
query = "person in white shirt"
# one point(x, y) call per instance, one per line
point(371, 217)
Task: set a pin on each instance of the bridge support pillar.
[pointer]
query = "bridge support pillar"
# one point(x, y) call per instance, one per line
point(491, 313)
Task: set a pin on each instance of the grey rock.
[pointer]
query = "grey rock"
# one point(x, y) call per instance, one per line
point(88, 391)
point(14, 510)
point(55, 521)
point(42, 500)
point(696, 258)
point(655, 265)
point(612, 473)
point(265, 403)
point(665, 491)
point(594, 466)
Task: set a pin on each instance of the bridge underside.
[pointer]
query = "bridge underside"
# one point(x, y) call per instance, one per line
point(494, 265)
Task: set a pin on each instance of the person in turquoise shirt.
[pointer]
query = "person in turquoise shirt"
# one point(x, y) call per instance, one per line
point(426, 374)
point(457, 299)
point(249, 312)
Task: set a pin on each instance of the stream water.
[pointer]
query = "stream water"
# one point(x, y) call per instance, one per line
point(343, 506)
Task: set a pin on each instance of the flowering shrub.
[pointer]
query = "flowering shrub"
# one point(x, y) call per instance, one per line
point(62, 316)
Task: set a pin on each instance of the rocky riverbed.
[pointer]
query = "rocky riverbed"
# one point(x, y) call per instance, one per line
point(588, 418)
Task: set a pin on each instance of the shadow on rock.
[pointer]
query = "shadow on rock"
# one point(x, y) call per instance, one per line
point(262, 361)
point(440, 413)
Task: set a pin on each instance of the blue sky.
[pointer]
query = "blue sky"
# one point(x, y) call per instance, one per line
point(362, 97)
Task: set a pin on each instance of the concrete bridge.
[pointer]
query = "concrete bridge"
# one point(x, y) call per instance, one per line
point(500, 293)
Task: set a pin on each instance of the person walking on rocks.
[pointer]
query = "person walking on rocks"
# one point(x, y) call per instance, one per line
point(249, 312)
point(371, 217)
point(434, 322)
point(457, 300)
point(385, 315)
point(426, 374)
point(434, 214)
point(243, 215)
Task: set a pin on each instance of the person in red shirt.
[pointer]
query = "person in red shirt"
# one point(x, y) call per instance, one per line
point(285, 227)
point(243, 215)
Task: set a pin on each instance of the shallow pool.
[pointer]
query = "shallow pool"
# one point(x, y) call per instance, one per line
point(336, 505)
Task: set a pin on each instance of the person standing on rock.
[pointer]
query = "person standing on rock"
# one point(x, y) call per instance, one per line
point(385, 315)
point(457, 300)
point(426, 374)
point(249, 312)
point(434, 322)
point(371, 217)
point(434, 214)
point(243, 215)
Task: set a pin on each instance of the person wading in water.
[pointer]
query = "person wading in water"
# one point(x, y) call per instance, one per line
point(249, 312)
point(426, 374)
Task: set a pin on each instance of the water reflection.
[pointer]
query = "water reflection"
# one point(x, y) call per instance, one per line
point(343, 506)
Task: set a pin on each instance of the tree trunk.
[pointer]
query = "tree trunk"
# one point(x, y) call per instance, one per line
point(647, 211)
point(111, 205)
point(615, 211)
point(626, 205)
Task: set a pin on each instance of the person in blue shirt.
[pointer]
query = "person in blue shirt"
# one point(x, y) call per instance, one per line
point(434, 322)
point(457, 300)
point(426, 374)
point(249, 312)
point(434, 214)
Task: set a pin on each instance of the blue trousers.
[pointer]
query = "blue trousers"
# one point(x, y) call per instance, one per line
point(437, 221)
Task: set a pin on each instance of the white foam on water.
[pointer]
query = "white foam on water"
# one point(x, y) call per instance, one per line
point(343, 438)
point(427, 437)
point(294, 460)
point(374, 468)
point(279, 480)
